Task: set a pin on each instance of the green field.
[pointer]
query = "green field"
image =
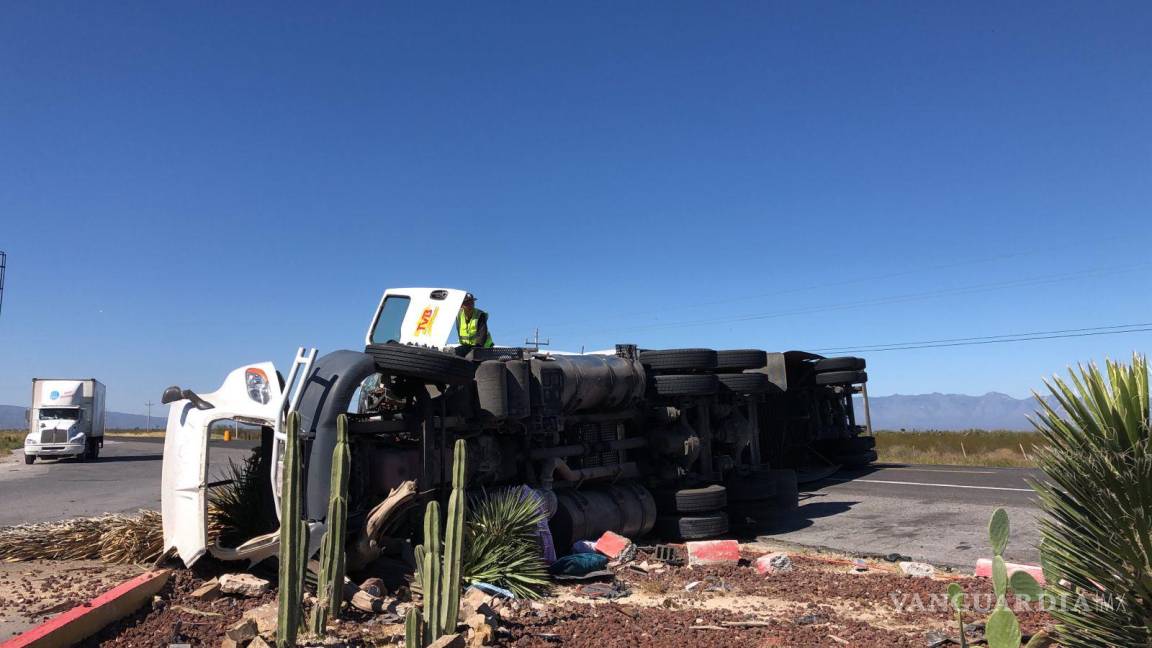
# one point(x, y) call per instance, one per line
point(967, 448)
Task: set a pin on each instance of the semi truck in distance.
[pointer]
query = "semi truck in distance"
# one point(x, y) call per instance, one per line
point(66, 419)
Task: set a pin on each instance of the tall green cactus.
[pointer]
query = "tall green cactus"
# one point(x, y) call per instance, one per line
point(330, 581)
point(440, 564)
point(293, 539)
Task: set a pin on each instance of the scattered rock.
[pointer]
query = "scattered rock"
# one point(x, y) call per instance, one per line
point(241, 631)
point(935, 639)
point(245, 585)
point(480, 630)
point(448, 641)
point(258, 642)
point(473, 601)
point(374, 586)
point(917, 569)
point(713, 552)
point(209, 591)
point(859, 566)
point(264, 617)
point(774, 563)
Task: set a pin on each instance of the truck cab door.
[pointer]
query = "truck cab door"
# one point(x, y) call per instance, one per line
point(250, 394)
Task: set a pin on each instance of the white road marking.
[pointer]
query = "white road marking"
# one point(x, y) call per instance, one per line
point(941, 470)
point(903, 483)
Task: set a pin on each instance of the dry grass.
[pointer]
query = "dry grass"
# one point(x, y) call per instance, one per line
point(1003, 448)
point(11, 440)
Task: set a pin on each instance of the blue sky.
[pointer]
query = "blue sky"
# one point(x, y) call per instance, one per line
point(186, 188)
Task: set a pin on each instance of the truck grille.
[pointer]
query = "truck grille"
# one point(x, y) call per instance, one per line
point(54, 436)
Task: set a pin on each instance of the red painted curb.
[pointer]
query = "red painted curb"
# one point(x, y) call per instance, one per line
point(984, 568)
point(86, 620)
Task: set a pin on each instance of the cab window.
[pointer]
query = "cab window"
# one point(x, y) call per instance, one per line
point(391, 319)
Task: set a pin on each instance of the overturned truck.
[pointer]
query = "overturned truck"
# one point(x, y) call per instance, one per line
point(683, 443)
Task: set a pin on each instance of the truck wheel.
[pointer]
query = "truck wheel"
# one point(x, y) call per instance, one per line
point(858, 459)
point(842, 378)
point(787, 495)
point(679, 359)
point(741, 359)
point(744, 383)
point(846, 363)
point(693, 527)
point(753, 487)
point(687, 385)
point(429, 365)
point(691, 500)
point(29, 459)
point(853, 445)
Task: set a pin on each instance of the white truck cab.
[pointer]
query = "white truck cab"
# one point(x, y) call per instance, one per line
point(66, 419)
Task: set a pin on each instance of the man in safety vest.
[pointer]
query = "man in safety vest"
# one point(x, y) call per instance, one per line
point(472, 325)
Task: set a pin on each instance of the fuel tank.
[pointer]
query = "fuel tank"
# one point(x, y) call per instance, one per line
point(581, 383)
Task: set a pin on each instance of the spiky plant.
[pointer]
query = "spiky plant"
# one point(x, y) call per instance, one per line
point(330, 580)
point(1097, 498)
point(239, 506)
point(502, 547)
point(293, 540)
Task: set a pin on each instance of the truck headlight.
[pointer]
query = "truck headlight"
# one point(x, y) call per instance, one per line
point(257, 382)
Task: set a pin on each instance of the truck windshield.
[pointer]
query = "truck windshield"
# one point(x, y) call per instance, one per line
point(391, 319)
point(59, 414)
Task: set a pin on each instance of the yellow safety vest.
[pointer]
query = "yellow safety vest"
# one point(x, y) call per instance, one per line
point(467, 328)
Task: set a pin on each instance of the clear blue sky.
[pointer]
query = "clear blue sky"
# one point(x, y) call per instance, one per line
point(185, 188)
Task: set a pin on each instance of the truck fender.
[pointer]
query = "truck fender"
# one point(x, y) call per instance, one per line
point(326, 395)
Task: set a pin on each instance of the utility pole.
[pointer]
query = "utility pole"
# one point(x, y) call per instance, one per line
point(536, 342)
point(3, 265)
point(149, 404)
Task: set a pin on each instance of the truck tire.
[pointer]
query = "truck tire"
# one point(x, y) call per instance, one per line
point(842, 378)
point(692, 527)
point(93, 449)
point(691, 500)
point(687, 385)
point(679, 359)
point(787, 495)
point(740, 359)
point(857, 459)
point(29, 459)
point(846, 363)
point(754, 487)
point(744, 383)
point(429, 365)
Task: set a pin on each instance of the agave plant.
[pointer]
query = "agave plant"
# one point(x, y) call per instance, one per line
point(239, 506)
point(1097, 534)
point(502, 548)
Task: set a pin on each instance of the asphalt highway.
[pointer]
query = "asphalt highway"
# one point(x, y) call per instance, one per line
point(938, 514)
point(124, 479)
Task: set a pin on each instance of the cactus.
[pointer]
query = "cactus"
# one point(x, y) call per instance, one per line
point(413, 629)
point(1002, 629)
point(439, 561)
point(293, 540)
point(330, 581)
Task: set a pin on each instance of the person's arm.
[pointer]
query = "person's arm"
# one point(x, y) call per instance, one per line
point(482, 330)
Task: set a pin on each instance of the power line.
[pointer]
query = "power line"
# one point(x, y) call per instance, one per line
point(917, 270)
point(894, 299)
point(995, 339)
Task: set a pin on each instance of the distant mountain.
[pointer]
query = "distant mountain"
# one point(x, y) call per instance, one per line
point(992, 411)
point(12, 418)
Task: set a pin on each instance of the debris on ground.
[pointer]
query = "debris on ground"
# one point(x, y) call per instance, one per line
point(245, 585)
point(917, 569)
point(713, 552)
point(578, 564)
point(615, 546)
point(774, 563)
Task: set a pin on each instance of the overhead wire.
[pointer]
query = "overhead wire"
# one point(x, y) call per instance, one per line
point(992, 339)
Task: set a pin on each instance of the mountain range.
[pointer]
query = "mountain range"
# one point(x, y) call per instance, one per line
point(12, 418)
point(992, 411)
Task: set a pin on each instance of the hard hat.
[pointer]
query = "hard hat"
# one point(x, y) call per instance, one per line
point(469, 297)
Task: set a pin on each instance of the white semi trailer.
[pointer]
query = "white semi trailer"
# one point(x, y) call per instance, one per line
point(66, 419)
